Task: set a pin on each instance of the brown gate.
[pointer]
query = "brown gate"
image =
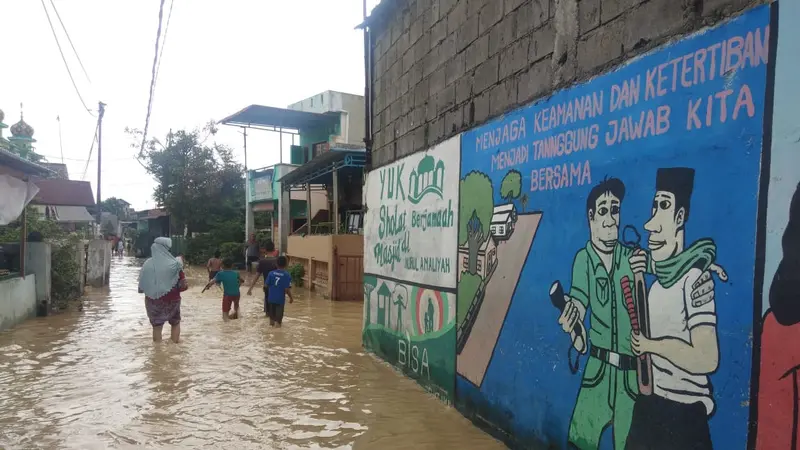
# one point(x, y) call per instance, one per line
point(348, 277)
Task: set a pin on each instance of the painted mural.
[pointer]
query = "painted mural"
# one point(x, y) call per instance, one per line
point(606, 247)
point(410, 265)
point(778, 384)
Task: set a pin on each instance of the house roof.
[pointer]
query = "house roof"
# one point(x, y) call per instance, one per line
point(57, 192)
point(501, 217)
point(268, 116)
point(16, 162)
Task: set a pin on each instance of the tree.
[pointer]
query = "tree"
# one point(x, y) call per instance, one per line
point(523, 201)
point(201, 186)
point(475, 214)
point(370, 283)
point(116, 206)
point(511, 186)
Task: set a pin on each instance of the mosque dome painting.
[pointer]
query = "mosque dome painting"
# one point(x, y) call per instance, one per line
point(427, 178)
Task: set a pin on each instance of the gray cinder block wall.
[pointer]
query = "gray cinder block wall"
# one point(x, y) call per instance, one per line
point(443, 66)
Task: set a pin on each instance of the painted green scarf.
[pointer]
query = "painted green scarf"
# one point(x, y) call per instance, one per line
point(701, 255)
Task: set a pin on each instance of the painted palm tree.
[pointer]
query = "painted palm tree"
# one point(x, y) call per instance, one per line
point(523, 202)
point(369, 286)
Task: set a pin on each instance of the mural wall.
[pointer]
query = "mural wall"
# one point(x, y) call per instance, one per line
point(778, 405)
point(606, 252)
point(410, 265)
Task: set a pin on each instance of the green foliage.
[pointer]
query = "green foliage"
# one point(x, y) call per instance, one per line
point(115, 206)
point(201, 186)
point(511, 186)
point(297, 272)
point(232, 250)
point(107, 229)
point(468, 286)
point(477, 197)
point(65, 266)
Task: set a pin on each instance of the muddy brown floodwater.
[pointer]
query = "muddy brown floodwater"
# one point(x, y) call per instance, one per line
point(93, 379)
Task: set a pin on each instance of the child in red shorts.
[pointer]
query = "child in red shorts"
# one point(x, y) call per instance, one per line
point(230, 281)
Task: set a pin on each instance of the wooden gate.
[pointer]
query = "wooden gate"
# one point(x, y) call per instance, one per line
point(348, 277)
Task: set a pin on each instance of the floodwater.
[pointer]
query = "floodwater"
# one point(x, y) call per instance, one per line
point(93, 379)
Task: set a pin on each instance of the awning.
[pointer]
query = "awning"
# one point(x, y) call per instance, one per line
point(267, 116)
point(320, 169)
point(73, 214)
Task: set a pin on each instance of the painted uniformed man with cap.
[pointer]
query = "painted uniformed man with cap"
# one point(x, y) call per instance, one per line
point(683, 331)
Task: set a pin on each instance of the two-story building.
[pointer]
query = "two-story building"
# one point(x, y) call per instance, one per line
point(316, 196)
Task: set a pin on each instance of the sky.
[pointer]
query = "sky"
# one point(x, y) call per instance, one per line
point(219, 57)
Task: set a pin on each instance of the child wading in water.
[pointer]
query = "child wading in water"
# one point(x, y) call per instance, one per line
point(278, 284)
point(230, 281)
point(214, 265)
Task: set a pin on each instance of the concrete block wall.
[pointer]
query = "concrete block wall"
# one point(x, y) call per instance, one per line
point(444, 66)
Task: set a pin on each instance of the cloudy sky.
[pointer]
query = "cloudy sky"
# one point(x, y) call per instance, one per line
point(220, 56)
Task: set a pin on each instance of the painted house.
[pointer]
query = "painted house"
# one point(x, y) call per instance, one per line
point(384, 304)
point(487, 258)
point(507, 208)
point(502, 226)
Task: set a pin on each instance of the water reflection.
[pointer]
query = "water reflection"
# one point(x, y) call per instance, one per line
point(94, 380)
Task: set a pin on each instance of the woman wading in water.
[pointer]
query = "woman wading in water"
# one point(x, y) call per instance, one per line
point(162, 281)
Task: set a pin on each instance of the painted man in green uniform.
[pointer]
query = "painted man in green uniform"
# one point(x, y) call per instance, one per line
point(609, 386)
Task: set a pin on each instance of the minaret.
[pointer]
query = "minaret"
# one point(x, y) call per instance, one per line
point(3, 141)
point(22, 136)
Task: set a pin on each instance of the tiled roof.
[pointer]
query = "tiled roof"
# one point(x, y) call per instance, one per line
point(56, 192)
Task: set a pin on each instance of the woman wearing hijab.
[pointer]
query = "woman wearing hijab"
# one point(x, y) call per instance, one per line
point(162, 281)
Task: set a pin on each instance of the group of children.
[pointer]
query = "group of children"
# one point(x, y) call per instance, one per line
point(277, 284)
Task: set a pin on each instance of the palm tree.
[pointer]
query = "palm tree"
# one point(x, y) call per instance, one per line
point(523, 201)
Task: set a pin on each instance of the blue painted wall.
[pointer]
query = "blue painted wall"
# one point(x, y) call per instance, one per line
point(527, 388)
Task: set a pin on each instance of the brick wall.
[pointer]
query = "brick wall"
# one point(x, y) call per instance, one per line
point(443, 66)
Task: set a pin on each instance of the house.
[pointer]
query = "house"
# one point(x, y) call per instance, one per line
point(384, 304)
point(315, 201)
point(486, 259)
point(65, 201)
point(502, 226)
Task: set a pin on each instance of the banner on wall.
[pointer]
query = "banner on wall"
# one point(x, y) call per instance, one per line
point(261, 186)
point(606, 249)
point(410, 265)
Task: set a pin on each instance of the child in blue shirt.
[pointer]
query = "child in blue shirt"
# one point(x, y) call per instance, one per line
point(230, 281)
point(278, 284)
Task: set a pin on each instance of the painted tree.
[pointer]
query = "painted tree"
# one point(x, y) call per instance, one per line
point(475, 214)
point(511, 186)
point(523, 201)
point(370, 284)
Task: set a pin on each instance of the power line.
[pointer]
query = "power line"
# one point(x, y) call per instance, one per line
point(65, 59)
point(91, 148)
point(164, 43)
point(152, 79)
point(70, 40)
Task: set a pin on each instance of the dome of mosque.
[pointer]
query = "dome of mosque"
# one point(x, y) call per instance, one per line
point(2, 116)
point(22, 129)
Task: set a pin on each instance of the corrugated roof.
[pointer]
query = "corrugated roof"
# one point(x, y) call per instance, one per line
point(16, 162)
point(267, 116)
point(73, 214)
point(56, 192)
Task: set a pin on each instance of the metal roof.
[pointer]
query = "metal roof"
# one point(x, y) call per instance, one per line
point(320, 169)
point(57, 192)
point(73, 214)
point(501, 218)
point(267, 116)
point(21, 164)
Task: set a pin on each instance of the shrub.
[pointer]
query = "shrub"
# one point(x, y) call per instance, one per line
point(232, 250)
point(297, 272)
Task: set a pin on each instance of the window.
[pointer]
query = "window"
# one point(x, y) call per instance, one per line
point(465, 263)
point(478, 267)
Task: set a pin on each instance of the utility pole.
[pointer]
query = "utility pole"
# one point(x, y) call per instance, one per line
point(101, 111)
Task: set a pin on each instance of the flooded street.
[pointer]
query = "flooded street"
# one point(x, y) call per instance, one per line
point(94, 379)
